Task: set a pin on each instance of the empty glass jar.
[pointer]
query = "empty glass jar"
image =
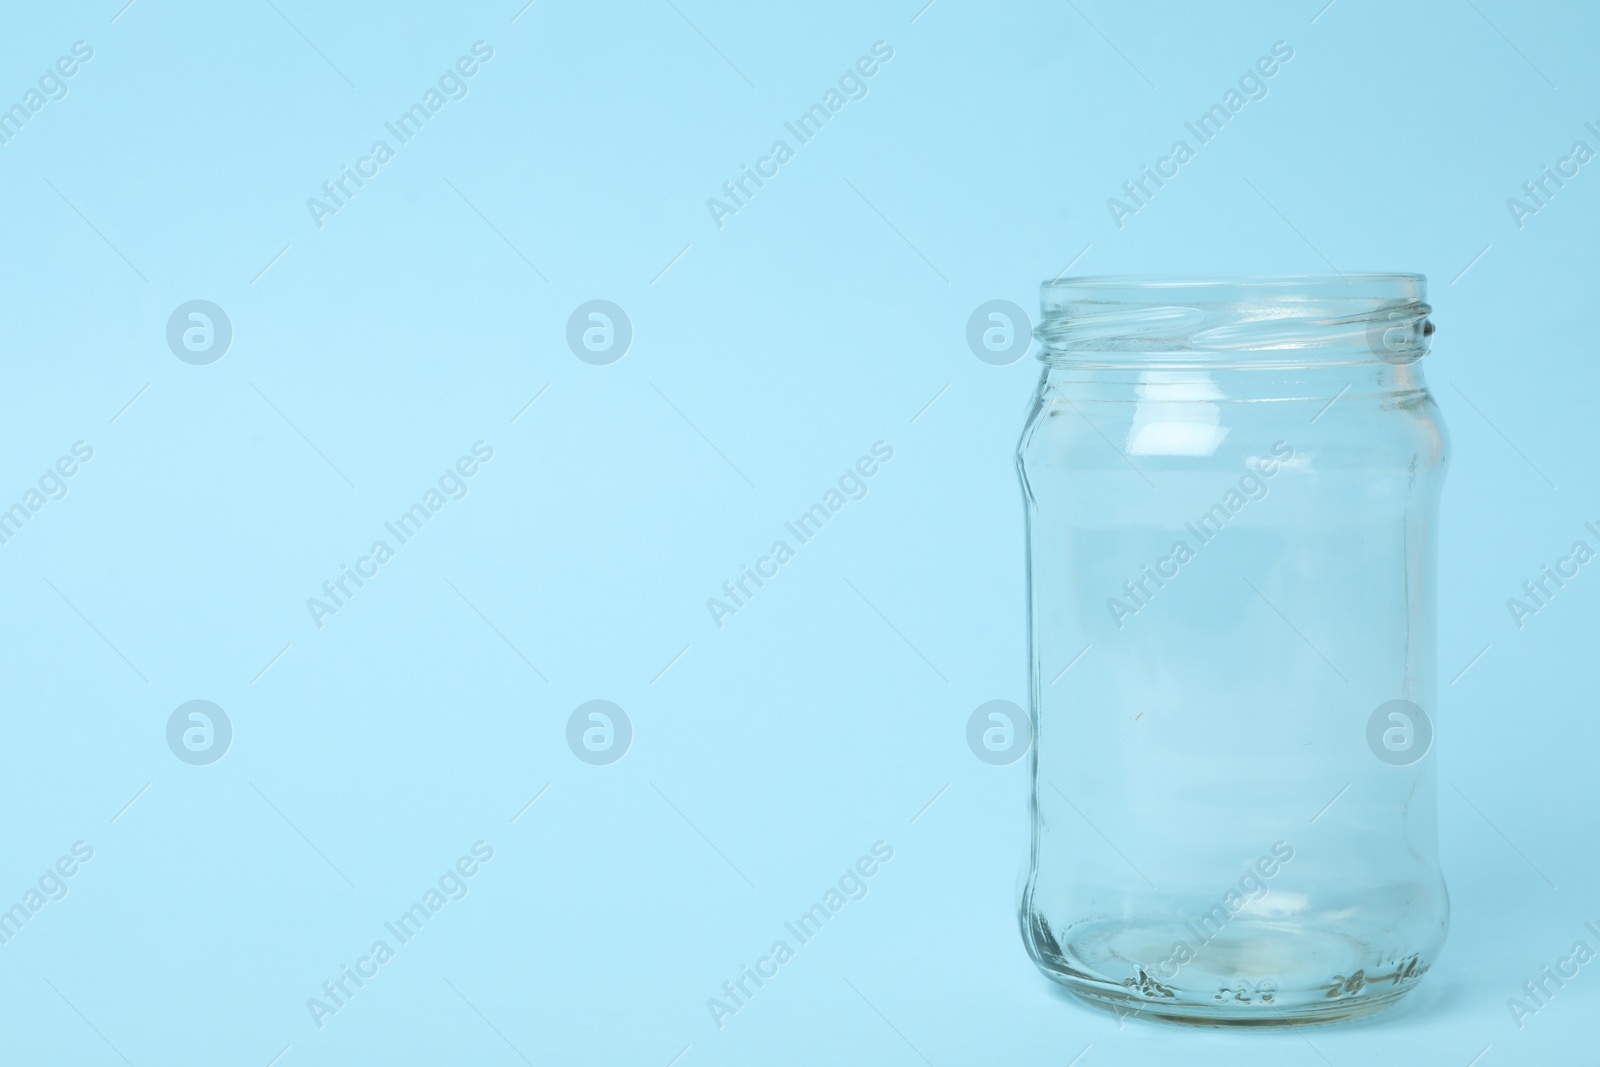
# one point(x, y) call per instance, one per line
point(1232, 488)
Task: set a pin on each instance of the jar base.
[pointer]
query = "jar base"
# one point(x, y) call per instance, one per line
point(1294, 978)
point(1201, 1013)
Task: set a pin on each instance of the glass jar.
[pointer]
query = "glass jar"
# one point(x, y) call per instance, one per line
point(1232, 488)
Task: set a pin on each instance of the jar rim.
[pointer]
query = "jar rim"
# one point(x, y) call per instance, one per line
point(1400, 279)
point(1245, 320)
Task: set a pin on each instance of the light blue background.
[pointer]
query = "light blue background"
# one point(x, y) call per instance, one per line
point(767, 356)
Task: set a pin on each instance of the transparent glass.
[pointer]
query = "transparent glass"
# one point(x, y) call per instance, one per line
point(1232, 488)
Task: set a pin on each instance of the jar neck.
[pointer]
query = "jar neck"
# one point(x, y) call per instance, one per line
point(1224, 383)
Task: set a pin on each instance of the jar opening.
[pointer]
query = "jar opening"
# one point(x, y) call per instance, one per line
point(1244, 321)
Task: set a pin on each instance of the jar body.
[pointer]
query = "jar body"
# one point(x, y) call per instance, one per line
point(1231, 579)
